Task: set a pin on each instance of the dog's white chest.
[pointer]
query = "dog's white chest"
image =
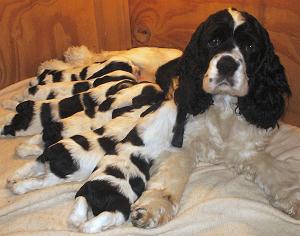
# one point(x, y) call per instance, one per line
point(220, 135)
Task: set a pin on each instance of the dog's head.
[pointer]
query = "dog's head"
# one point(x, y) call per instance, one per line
point(231, 54)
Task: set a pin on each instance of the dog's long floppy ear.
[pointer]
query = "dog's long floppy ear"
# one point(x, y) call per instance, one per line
point(264, 104)
point(190, 96)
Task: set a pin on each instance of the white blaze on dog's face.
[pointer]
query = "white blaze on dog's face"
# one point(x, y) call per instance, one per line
point(226, 73)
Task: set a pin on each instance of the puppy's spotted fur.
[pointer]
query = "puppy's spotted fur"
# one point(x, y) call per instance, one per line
point(33, 116)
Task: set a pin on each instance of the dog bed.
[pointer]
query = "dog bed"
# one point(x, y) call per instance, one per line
point(215, 202)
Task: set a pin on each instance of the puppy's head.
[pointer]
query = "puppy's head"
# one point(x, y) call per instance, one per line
point(231, 54)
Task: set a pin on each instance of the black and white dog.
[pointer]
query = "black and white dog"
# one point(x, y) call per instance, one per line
point(230, 95)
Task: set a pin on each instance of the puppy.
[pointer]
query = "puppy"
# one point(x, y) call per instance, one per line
point(230, 96)
point(33, 116)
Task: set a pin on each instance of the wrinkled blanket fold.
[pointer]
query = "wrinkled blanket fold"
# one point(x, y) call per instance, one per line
point(215, 202)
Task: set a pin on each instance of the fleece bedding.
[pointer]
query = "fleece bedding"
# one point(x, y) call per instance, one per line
point(215, 202)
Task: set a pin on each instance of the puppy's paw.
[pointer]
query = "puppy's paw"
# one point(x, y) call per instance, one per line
point(76, 219)
point(102, 222)
point(16, 186)
point(79, 212)
point(19, 97)
point(10, 182)
point(9, 104)
point(25, 150)
point(152, 209)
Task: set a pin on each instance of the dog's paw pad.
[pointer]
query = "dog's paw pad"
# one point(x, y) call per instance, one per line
point(289, 204)
point(142, 218)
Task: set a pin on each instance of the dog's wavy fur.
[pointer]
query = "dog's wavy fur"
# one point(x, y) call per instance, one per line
point(230, 96)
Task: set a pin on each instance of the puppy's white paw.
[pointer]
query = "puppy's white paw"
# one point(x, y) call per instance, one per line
point(79, 213)
point(154, 208)
point(102, 222)
point(16, 186)
point(77, 220)
point(10, 182)
point(25, 150)
point(18, 97)
point(9, 104)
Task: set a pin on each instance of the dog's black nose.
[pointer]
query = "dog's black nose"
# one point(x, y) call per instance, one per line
point(227, 66)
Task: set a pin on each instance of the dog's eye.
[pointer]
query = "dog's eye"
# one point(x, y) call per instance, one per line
point(250, 48)
point(214, 43)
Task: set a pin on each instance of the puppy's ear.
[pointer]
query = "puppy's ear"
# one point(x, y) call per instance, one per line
point(264, 104)
point(192, 65)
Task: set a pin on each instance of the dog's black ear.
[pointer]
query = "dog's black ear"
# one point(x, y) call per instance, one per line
point(189, 96)
point(192, 65)
point(264, 104)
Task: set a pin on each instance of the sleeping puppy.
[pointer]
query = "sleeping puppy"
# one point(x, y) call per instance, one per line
point(33, 116)
point(126, 100)
point(74, 158)
point(97, 69)
point(78, 56)
point(63, 80)
point(82, 64)
point(59, 90)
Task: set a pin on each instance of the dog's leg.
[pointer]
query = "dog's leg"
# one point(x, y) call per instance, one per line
point(9, 104)
point(31, 169)
point(24, 186)
point(102, 222)
point(279, 180)
point(160, 202)
point(32, 147)
point(79, 213)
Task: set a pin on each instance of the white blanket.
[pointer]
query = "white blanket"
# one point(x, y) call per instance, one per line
point(216, 202)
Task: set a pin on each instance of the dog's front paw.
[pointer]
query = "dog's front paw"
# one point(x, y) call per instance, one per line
point(152, 209)
point(290, 203)
point(280, 181)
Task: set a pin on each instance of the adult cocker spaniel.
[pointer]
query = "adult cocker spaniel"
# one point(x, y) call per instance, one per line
point(229, 98)
point(227, 102)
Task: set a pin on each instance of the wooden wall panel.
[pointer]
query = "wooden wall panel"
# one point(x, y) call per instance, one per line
point(170, 23)
point(36, 30)
point(113, 24)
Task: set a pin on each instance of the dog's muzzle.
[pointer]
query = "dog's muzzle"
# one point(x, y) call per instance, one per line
point(226, 74)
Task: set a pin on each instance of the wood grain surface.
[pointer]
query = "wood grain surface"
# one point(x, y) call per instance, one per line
point(33, 31)
point(170, 23)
